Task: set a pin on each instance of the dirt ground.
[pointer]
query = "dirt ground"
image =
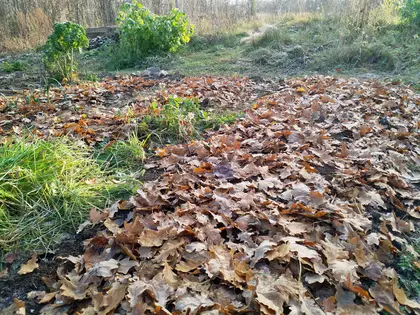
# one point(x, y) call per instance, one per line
point(18, 286)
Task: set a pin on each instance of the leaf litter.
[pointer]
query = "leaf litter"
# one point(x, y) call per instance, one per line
point(298, 208)
point(109, 110)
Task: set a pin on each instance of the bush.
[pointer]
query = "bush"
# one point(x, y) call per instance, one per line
point(143, 33)
point(410, 11)
point(47, 188)
point(66, 39)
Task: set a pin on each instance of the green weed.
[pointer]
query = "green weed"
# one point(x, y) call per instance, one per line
point(181, 120)
point(410, 11)
point(143, 33)
point(92, 77)
point(409, 273)
point(14, 66)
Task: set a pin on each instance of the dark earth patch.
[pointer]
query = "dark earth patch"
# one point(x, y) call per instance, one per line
point(18, 286)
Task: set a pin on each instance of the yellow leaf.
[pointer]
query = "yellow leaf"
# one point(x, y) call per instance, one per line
point(161, 153)
point(401, 296)
point(30, 266)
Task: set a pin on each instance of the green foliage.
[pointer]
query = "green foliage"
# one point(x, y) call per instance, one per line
point(14, 66)
point(47, 188)
point(409, 273)
point(181, 119)
point(410, 11)
point(59, 51)
point(323, 45)
point(215, 42)
point(92, 77)
point(143, 33)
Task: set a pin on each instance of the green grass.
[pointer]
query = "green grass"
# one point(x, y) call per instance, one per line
point(323, 45)
point(181, 120)
point(298, 45)
point(47, 188)
point(123, 159)
point(304, 44)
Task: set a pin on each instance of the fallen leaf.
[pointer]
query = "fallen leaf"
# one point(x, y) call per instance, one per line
point(30, 266)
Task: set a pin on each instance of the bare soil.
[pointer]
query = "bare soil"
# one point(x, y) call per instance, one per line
point(18, 286)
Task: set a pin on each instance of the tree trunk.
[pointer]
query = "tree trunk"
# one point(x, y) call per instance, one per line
point(253, 8)
point(157, 6)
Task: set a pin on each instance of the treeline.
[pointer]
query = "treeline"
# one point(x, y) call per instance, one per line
point(26, 23)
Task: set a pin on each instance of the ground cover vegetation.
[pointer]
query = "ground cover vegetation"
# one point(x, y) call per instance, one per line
point(236, 188)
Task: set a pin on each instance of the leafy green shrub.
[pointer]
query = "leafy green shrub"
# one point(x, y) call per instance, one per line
point(181, 119)
point(143, 33)
point(47, 188)
point(410, 11)
point(59, 51)
point(10, 67)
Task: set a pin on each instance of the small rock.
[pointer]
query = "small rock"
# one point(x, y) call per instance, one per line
point(19, 74)
point(384, 121)
point(154, 70)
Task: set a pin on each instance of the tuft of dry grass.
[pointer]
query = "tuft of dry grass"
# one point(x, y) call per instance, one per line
point(31, 30)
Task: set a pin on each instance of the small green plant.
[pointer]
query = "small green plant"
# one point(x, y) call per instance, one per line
point(143, 33)
point(409, 273)
point(59, 52)
point(14, 66)
point(92, 77)
point(181, 119)
point(410, 11)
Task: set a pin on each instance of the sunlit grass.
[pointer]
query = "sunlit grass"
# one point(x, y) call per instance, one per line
point(47, 188)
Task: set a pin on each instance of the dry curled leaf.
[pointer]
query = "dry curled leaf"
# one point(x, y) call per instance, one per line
point(30, 265)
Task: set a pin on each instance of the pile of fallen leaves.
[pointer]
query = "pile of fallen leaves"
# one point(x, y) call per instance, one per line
point(109, 110)
point(296, 209)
